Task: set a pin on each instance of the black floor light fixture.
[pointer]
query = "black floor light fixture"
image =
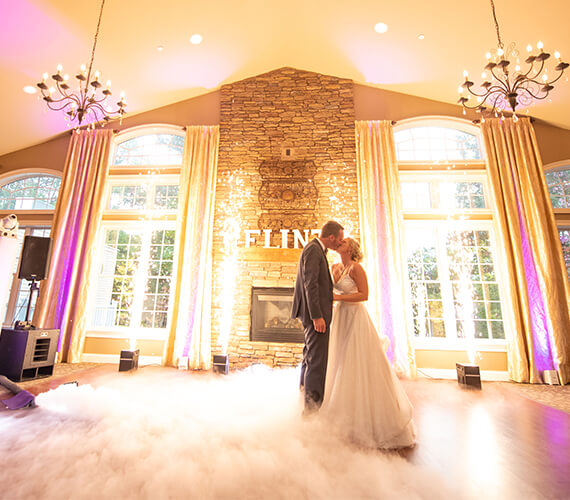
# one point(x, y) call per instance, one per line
point(468, 375)
point(220, 364)
point(129, 360)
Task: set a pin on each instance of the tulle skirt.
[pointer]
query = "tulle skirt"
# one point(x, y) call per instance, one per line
point(364, 399)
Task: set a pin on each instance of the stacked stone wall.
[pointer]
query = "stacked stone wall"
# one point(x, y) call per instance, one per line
point(287, 160)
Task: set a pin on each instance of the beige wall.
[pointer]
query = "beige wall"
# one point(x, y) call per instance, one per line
point(445, 360)
point(201, 110)
point(106, 346)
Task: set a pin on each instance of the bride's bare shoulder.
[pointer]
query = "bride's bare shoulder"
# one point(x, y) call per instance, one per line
point(356, 269)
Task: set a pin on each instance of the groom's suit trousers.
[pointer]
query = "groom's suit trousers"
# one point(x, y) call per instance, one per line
point(314, 366)
point(313, 299)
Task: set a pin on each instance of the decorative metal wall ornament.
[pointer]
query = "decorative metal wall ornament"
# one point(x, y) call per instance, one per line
point(505, 84)
point(84, 103)
point(288, 195)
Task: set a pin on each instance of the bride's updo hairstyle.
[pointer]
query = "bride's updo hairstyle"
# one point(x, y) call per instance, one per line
point(355, 250)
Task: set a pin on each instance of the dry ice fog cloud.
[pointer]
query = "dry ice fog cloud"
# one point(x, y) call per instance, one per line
point(160, 434)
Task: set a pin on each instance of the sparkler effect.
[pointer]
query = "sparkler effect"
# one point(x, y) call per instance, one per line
point(231, 223)
point(462, 257)
point(343, 207)
point(148, 184)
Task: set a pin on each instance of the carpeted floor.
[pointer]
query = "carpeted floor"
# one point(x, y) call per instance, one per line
point(555, 396)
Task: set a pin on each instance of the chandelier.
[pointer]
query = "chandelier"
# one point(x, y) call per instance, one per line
point(505, 84)
point(87, 102)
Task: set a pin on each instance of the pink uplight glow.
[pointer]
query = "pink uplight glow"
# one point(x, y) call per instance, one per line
point(380, 64)
point(27, 29)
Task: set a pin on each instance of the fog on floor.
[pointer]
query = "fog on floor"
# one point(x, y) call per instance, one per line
point(161, 434)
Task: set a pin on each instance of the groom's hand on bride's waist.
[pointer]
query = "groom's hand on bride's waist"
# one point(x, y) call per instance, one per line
point(320, 325)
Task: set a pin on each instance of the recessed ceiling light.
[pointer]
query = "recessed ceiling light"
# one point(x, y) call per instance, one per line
point(196, 39)
point(160, 48)
point(381, 28)
point(30, 89)
point(421, 36)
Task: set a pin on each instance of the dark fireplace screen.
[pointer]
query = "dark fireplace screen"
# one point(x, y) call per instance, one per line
point(271, 316)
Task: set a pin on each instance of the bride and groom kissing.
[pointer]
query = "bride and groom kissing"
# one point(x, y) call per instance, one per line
point(345, 373)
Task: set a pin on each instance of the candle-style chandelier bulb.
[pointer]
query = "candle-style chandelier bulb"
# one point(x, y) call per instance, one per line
point(506, 85)
point(86, 103)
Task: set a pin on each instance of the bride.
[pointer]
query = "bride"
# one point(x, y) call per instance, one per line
point(363, 396)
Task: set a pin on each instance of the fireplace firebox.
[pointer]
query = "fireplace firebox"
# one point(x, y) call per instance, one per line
point(271, 316)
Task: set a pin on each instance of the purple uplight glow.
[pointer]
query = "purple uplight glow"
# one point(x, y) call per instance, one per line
point(385, 278)
point(540, 333)
point(27, 26)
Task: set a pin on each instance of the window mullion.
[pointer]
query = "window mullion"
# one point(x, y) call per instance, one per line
point(446, 288)
point(140, 277)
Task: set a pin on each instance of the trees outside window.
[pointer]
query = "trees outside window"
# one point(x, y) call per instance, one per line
point(32, 197)
point(453, 279)
point(134, 272)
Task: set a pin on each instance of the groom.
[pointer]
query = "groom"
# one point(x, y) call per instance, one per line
point(312, 304)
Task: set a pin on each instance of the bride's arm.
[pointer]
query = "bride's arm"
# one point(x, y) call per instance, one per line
point(358, 274)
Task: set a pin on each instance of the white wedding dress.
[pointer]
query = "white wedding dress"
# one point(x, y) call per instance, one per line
point(363, 396)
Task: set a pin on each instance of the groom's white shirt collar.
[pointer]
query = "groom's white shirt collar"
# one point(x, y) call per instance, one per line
point(322, 244)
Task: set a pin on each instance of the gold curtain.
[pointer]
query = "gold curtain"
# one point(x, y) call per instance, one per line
point(537, 279)
point(62, 299)
point(190, 331)
point(381, 227)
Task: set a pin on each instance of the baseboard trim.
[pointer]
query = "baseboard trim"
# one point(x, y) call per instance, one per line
point(486, 375)
point(114, 358)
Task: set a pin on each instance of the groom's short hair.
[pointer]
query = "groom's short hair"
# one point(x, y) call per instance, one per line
point(331, 228)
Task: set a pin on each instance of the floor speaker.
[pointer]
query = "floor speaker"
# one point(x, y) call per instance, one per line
point(27, 354)
point(35, 258)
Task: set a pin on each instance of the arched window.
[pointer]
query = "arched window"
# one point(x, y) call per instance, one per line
point(452, 262)
point(30, 192)
point(32, 197)
point(150, 149)
point(436, 141)
point(133, 278)
point(558, 182)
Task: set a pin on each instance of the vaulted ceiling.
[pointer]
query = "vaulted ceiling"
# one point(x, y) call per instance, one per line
point(243, 38)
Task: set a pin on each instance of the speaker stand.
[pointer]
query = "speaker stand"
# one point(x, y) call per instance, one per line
point(27, 324)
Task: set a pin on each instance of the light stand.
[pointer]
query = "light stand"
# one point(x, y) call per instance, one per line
point(27, 324)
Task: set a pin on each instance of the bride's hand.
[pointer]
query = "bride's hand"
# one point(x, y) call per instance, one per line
point(336, 296)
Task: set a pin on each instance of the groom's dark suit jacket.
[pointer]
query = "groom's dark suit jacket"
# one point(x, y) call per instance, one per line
point(313, 296)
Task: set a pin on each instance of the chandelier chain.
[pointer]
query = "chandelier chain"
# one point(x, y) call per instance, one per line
point(501, 45)
point(95, 40)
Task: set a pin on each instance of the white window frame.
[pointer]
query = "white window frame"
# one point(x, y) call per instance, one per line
point(441, 122)
point(117, 219)
point(452, 342)
point(561, 215)
point(137, 332)
point(461, 170)
point(28, 220)
point(139, 180)
point(133, 132)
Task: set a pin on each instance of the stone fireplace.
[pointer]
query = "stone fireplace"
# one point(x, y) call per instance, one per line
point(286, 165)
